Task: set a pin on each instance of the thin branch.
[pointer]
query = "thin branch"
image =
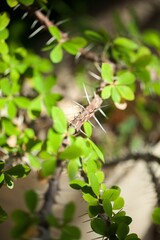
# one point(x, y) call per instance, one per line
point(148, 157)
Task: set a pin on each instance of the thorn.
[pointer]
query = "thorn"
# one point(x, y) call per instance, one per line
point(79, 104)
point(90, 231)
point(48, 13)
point(95, 75)
point(101, 111)
point(99, 124)
point(62, 21)
point(50, 40)
point(83, 132)
point(34, 24)
point(24, 15)
point(16, 7)
point(77, 55)
point(98, 67)
point(91, 123)
point(86, 221)
point(85, 90)
point(83, 214)
point(89, 47)
point(36, 31)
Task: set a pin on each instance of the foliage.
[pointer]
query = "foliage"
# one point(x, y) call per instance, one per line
point(27, 82)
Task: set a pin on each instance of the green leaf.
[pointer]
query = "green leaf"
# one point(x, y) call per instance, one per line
point(107, 72)
point(59, 120)
point(1, 165)
point(152, 38)
point(12, 110)
point(26, 2)
point(48, 167)
point(4, 34)
point(54, 141)
point(12, 3)
point(122, 231)
point(9, 128)
point(97, 150)
point(73, 45)
point(122, 219)
point(100, 176)
point(56, 54)
point(54, 31)
point(70, 233)
point(77, 184)
point(107, 206)
point(69, 211)
point(53, 221)
point(115, 95)
point(90, 199)
point(31, 199)
point(94, 36)
point(3, 215)
point(4, 20)
point(126, 92)
point(132, 236)
point(118, 203)
point(98, 225)
point(9, 181)
point(156, 215)
point(87, 129)
point(125, 78)
point(125, 43)
point(106, 92)
point(3, 47)
point(1, 179)
point(111, 194)
point(19, 171)
point(71, 152)
point(34, 161)
point(93, 181)
point(23, 222)
point(94, 210)
point(72, 168)
point(2, 102)
point(5, 86)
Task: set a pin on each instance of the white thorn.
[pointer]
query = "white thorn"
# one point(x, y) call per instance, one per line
point(78, 55)
point(50, 40)
point(82, 132)
point(98, 67)
point(16, 7)
point(101, 111)
point(62, 21)
point(89, 47)
point(99, 124)
point(34, 24)
point(78, 104)
point(91, 123)
point(86, 94)
point(24, 15)
point(36, 31)
point(95, 75)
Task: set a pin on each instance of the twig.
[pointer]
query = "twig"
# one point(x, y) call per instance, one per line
point(148, 157)
point(49, 200)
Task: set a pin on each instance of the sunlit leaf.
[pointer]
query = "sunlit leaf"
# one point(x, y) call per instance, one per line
point(56, 54)
point(59, 120)
point(107, 72)
point(73, 45)
point(55, 32)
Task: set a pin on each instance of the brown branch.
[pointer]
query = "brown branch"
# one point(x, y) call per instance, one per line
point(148, 157)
